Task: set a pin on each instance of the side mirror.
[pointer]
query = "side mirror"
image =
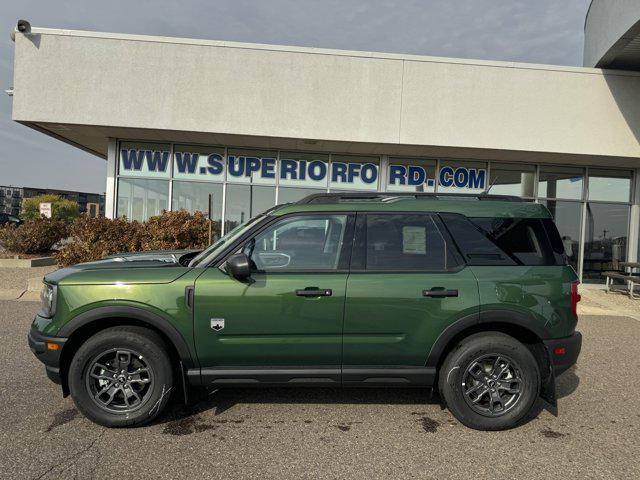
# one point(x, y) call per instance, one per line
point(239, 266)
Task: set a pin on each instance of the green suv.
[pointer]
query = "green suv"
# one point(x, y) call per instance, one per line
point(469, 295)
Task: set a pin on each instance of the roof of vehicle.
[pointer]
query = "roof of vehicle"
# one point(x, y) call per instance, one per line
point(470, 205)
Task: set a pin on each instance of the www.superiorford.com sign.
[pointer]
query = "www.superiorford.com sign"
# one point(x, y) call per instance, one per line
point(291, 172)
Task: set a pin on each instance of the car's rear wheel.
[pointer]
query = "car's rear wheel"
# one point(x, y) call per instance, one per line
point(121, 376)
point(490, 381)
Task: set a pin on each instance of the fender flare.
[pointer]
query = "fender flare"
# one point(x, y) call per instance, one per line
point(128, 312)
point(506, 317)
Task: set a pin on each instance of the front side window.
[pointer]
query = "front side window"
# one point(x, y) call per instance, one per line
point(300, 243)
point(405, 242)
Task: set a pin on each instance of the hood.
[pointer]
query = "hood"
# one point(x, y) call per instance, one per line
point(126, 268)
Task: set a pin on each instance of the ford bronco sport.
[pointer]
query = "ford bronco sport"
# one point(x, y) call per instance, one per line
point(472, 296)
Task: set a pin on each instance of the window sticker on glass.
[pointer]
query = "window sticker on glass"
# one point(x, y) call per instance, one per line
point(414, 240)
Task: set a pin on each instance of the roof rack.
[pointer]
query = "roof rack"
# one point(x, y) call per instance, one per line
point(382, 196)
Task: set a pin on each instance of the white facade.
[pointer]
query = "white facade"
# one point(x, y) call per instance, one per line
point(564, 136)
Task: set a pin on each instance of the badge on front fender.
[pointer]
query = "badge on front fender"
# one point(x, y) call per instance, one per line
point(217, 324)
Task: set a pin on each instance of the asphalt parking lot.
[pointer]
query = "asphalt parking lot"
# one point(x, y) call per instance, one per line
point(322, 433)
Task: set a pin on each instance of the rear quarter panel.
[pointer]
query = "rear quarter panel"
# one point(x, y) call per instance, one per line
point(542, 293)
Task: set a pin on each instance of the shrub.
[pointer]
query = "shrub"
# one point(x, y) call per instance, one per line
point(61, 209)
point(175, 231)
point(34, 236)
point(91, 239)
point(94, 238)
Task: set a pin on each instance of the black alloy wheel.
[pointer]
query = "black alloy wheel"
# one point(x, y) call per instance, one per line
point(492, 384)
point(119, 380)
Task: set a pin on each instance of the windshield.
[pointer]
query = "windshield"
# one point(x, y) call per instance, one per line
point(216, 247)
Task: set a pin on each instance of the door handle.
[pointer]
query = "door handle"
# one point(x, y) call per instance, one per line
point(439, 292)
point(314, 292)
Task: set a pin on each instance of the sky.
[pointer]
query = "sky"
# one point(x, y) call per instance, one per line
point(540, 31)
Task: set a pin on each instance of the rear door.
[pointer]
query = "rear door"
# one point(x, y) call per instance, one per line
point(406, 285)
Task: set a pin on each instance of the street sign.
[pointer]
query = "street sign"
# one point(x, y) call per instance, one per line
point(45, 209)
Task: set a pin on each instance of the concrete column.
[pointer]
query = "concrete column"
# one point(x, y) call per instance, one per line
point(634, 222)
point(110, 190)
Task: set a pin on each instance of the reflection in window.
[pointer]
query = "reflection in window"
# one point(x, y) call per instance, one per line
point(605, 244)
point(561, 182)
point(299, 243)
point(139, 199)
point(194, 197)
point(568, 218)
point(518, 180)
point(290, 194)
point(609, 185)
point(246, 201)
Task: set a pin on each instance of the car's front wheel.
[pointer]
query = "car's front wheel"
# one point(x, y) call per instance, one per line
point(121, 376)
point(490, 381)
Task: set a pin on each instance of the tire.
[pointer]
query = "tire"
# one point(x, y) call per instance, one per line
point(473, 392)
point(139, 394)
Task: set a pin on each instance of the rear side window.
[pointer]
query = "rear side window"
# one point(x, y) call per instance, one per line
point(406, 242)
point(524, 239)
point(473, 243)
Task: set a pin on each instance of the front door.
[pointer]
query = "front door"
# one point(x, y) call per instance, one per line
point(284, 323)
point(407, 284)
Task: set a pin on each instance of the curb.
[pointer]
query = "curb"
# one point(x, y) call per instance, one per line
point(27, 262)
point(31, 294)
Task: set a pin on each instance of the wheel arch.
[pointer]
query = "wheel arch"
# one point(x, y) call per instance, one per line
point(518, 325)
point(80, 328)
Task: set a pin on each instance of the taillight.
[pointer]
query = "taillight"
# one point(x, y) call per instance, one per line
point(575, 298)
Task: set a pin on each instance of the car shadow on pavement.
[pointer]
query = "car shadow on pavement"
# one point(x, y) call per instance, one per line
point(219, 401)
point(179, 416)
point(567, 383)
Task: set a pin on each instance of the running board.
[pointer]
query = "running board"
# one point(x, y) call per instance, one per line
point(316, 376)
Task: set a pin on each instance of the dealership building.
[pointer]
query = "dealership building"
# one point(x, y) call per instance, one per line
point(178, 120)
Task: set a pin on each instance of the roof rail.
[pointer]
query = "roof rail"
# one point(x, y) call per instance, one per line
point(338, 197)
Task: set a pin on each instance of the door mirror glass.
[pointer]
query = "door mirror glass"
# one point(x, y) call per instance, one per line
point(238, 266)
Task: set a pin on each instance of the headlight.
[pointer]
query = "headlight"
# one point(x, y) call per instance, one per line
point(48, 300)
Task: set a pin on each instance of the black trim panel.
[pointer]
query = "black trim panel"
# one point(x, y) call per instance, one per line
point(264, 376)
point(50, 358)
point(572, 346)
point(507, 317)
point(127, 312)
point(314, 376)
point(385, 376)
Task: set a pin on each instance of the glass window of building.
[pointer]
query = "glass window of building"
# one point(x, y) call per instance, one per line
point(568, 219)
point(605, 243)
point(252, 166)
point(151, 160)
point(561, 182)
point(609, 185)
point(196, 162)
point(512, 179)
point(462, 177)
point(246, 201)
point(194, 197)
point(350, 172)
point(304, 170)
point(411, 175)
point(291, 194)
point(141, 198)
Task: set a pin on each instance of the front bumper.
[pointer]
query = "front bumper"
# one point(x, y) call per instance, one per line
point(43, 348)
point(564, 352)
